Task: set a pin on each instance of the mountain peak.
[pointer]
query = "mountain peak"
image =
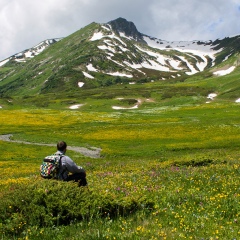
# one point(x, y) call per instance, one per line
point(121, 25)
point(101, 55)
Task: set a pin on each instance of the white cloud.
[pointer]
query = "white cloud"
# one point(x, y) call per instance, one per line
point(25, 23)
point(190, 20)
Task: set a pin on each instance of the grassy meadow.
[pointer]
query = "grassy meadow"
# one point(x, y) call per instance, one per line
point(168, 169)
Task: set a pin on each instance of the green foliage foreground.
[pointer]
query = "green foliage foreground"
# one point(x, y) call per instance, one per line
point(52, 203)
point(164, 173)
point(151, 203)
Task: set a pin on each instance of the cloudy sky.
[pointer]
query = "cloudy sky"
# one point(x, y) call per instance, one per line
point(25, 23)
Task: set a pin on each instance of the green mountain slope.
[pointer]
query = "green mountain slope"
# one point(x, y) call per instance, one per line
point(103, 55)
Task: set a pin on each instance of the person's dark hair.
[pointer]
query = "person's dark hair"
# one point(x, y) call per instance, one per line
point(61, 146)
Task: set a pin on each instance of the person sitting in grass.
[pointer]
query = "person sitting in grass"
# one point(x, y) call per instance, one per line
point(69, 171)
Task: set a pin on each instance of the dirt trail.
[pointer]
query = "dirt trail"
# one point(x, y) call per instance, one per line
point(92, 152)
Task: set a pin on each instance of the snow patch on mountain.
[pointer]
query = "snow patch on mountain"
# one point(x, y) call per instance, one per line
point(200, 52)
point(80, 84)
point(97, 36)
point(134, 66)
point(161, 62)
point(124, 36)
point(100, 35)
point(120, 74)
point(104, 47)
point(109, 58)
point(193, 70)
point(107, 27)
point(4, 62)
point(197, 48)
point(87, 75)
point(226, 58)
point(76, 106)
point(175, 64)
point(224, 72)
point(31, 52)
point(205, 47)
point(211, 96)
point(91, 68)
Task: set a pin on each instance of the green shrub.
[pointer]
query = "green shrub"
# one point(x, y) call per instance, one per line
point(52, 203)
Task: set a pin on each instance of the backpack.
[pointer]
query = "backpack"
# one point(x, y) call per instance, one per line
point(50, 166)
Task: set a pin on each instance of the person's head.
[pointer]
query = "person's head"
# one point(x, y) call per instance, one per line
point(62, 146)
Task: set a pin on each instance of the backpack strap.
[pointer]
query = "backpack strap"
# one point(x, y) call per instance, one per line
point(60, 160)
point(60, 166)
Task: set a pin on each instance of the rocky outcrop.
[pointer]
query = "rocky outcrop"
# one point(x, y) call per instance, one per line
point(121, 25)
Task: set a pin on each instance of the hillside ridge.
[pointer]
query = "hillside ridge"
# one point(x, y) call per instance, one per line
point(106, 54)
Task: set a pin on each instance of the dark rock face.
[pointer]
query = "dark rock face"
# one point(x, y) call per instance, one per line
point(126, 27)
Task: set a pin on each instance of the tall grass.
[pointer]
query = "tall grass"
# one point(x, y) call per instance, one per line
point(165, 172)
